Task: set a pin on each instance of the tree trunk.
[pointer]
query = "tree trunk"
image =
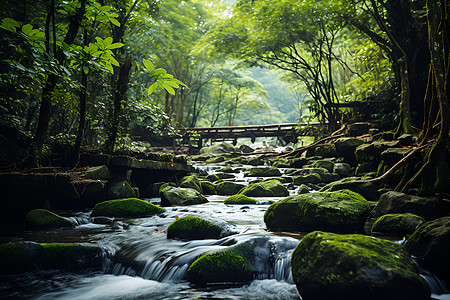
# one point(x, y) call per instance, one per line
point(44, 111)
point(119, 97)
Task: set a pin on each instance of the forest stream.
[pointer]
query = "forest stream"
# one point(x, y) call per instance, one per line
point(139, 262)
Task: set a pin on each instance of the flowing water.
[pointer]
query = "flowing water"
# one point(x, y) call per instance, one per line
point(139, 262)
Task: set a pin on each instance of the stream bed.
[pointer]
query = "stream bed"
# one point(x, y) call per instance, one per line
point(139, 262)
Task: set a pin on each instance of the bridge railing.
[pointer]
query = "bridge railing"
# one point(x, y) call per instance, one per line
point(287, 131)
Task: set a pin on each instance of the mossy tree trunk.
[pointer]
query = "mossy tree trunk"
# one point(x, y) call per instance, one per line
point(434, 175)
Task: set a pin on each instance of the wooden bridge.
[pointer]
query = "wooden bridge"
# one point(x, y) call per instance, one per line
point(287, 131)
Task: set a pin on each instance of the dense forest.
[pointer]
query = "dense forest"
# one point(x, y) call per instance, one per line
point(91, 73)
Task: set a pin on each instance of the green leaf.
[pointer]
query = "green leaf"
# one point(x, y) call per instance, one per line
point(149, 65)
point(171, 83)
point(107, 41)
point(152, 88)
point(159, 72)
point(167, 87)
point(114, 22)
point(9, 24)
point(26, 29)
point(115, 46)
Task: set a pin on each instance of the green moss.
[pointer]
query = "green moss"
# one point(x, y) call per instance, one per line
point(397, 223)
point(129, 207)
point(212, 177)
point(219, 267)
point(303, 189)
point(341, 211)
point(208, 188)
point(18, 257)
point(181, 196)
point(45, 218)
point(192, 182)
point(304, 179)
point(325, 164)
point(269, 188)
point(193, 228)
point(26, 256)
point(166, 186)
point(228, 188)
point(328, 266)
point(239, 199)
point(431, 243)
point(263, 172)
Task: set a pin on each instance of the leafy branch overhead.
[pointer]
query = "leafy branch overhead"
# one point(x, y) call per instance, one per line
point(162, 79)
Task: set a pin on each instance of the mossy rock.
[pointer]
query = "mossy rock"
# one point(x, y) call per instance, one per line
point(368, 190)
point(193, 228)
point(269, 188)
point(324, 164)
point(303, 189)
point(341, 212)
point(325, 150)
point(305, 179)
point(191, 181)
point(395, 202)
point(354, 267)
point(215, 160)
point(19, 257)
point(240, 199)
point(218, 149)
point(126, 208)
point(229, 169)
point(181, 196)
point(225, 267)
point(431, 243)
point(225, 176)
point(262, 172)
point(71, 257)
point(42, 218)
point(166, 186)
point(228, 188)
point(208, 187)
point(119, 189)
point(397, 223)
point(212, 177)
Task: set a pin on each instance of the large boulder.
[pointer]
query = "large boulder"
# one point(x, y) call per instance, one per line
point(372, 152)
point(239, 199)
point(193, 228)
point(119, 189)
point(219, 149)
point(397, 223)
point(325, 150)
point(208, 187)
point(228, 188)
point(431, 243)
point(26, 256)
point(354, 267)
point(343, 169)
point(325, 164)
point(367, 189)
point(306, 179)
point(258, 257)
point(226, 266)
point(42, 218)
point(181, 196)
point(191, 181)
point(126, 208)
point(395, 202)
point(346, 146)
point(262, 172)
point(269, 188)
point(342, 212)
